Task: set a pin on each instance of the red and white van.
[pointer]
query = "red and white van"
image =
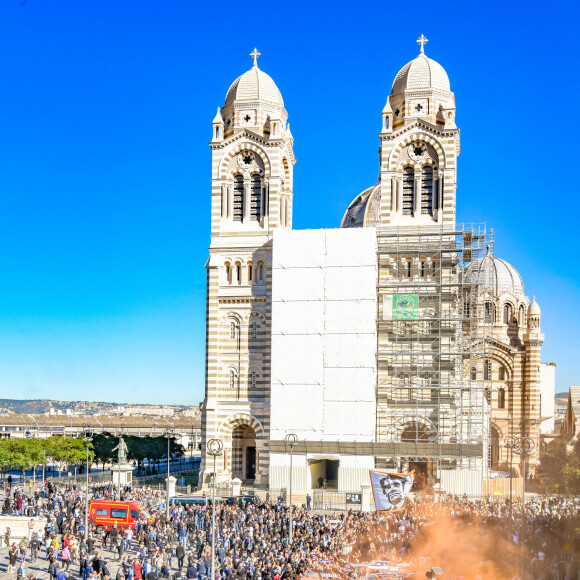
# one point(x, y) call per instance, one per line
point(104, 513)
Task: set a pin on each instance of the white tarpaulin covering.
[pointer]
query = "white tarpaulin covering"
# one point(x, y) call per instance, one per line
point(324, 334)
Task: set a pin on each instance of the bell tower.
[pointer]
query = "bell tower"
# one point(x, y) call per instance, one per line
point(419, 147)
point(252, 166)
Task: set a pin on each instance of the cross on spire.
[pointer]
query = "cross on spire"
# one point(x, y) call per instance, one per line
point(255, 54)
point(422, 41)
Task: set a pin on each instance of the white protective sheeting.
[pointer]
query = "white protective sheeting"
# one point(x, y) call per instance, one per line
point(461, 481)
point(324, 334)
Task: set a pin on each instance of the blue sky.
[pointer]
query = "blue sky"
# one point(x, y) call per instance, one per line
point(106, 111)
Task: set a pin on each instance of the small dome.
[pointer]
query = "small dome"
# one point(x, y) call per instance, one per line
point(495, 275)
point(534, 308)
point(363, 211)
point(254, 85)
point(421, 73)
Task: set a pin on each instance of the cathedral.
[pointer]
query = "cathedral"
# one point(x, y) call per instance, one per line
point(397, 341)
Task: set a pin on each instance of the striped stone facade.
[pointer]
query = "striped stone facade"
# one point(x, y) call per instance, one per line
point(252, 161)
point(515, 351)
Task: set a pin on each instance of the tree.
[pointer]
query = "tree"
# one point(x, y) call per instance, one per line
point(103, 444)
point(560, 469)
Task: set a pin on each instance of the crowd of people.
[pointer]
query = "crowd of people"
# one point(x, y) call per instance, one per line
point(540, 540)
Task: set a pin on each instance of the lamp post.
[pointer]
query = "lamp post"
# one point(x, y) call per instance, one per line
point(168, 433)
point(88, 433)
point(290, 439)
point(214, 448)
point(510, 442)
point(523, 446)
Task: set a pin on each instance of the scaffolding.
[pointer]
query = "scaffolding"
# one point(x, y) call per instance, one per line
point(433, 384)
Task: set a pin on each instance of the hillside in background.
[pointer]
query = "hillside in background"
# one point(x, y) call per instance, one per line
point(40, 406)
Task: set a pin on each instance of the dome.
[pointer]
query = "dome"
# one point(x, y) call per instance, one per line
point(534, 308)
point(421, 73)
point(495, 275)
point(364, 210)
point(254, 85)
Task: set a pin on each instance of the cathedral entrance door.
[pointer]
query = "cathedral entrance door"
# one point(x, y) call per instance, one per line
point(250, 463)
point(244, 453)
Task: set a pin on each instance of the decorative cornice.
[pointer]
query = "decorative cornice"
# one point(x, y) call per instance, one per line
point(241, 299)
point(418, 123)
point(246, 134)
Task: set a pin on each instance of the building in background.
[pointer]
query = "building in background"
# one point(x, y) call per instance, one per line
point(548, 398)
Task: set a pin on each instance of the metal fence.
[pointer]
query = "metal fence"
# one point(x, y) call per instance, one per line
point(324, 499)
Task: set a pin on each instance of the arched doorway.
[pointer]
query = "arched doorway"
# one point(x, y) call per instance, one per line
point(415, 432)
point(244, 458)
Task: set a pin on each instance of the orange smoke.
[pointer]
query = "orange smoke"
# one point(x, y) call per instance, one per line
point(464, 549)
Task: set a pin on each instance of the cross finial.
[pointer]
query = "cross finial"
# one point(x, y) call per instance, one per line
point(255, 54)
point(422, 41)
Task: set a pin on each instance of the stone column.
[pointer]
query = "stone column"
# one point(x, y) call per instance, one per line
point(171, 485)
point(418, 181)
point(366, 497)
point(236, 487)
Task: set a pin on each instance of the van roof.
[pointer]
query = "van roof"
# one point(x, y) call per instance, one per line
point(114, 502)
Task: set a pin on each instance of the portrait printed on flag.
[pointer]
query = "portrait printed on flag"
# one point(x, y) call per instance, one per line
point(390, 490)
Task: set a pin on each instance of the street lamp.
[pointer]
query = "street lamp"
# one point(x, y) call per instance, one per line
point(168, 433)
point(214, 448)
point(88, 433)
point(523, 446)
point(510, 443)
point(290, 439)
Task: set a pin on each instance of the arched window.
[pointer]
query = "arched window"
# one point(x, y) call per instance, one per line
point(238, 198)
point(466, 309)
point(232, 379)
point(422, 269)
point(254, 330)
point(260, 273)
point(250, 272)
point(507, 314)
point(408, 191)
point(501, 374)
point(233, 330)
point(408, 268)
point(521, 315)
point(427, 191)
point(473, 373)
point(487, 370)
point(238, 273)
point(488, 312)
point(501, 399)
point(253, 379)
point(228, 273)
point(256, 198)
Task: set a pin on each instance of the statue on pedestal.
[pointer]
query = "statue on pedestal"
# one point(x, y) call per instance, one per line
point(122, 453)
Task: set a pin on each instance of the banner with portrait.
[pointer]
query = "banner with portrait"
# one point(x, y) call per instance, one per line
point(390, 490)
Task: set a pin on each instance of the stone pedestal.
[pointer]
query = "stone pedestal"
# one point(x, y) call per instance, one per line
point(171, 481)
point(122, 475)
point(366, 499)
point(236, 487)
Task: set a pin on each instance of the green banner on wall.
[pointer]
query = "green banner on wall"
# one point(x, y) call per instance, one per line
point(405, 306)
